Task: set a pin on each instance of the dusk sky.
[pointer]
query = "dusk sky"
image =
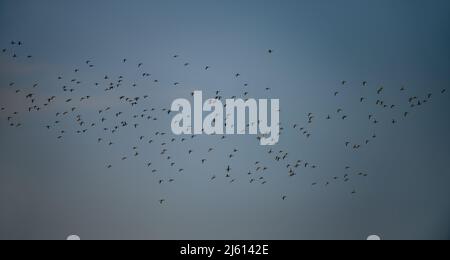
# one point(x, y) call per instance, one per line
point(374, 172)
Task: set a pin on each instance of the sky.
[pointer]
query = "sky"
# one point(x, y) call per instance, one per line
point(51, 188)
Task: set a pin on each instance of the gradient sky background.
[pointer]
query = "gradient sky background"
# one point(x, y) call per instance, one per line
point(50, 189)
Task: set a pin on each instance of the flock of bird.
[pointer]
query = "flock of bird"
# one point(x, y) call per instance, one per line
point(109, 122)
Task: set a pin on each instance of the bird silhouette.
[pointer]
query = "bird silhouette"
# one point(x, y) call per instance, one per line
point(380, 90)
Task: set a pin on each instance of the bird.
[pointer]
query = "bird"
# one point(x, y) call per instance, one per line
point(380, 90)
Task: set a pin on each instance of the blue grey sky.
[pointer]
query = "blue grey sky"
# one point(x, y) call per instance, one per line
point(52, 188)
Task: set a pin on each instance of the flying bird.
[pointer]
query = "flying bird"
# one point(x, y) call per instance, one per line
point(380, 90)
